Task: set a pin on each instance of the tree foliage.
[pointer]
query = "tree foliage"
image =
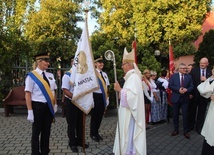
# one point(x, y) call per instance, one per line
point(26, 29)
point(101, 43)
point(54, 28)
point(156, 21)
point(206, 48)
point(13, 45)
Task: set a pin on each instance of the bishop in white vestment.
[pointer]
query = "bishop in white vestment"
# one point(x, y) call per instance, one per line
point(131, 133)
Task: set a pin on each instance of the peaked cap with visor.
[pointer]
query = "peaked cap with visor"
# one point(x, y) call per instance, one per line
point(43, 56)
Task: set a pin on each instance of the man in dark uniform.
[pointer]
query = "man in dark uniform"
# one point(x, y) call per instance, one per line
point(198, 109)
point(73, 114)
point(100, 101)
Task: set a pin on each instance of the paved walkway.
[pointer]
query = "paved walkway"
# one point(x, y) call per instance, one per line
point(15, 133)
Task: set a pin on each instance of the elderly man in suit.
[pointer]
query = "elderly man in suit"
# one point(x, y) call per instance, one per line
point(198, 109)
point(181, 85)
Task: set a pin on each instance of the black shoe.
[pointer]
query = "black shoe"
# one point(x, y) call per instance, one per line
point(95, 138)
point(150, 123)
point(148, 127)
point(174, 133)
point(186, 135)
point(86, 145)
point(74, 148)
point(99, 137)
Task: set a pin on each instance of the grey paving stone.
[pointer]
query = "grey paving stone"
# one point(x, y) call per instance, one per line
point(14, 152)
point(15, 137)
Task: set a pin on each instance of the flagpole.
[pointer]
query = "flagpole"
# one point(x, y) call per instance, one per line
point(86, 3)
point(134, 44)
point(169, 56)
point(171, 69)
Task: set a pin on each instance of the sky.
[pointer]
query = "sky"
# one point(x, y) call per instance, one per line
point(92, 24)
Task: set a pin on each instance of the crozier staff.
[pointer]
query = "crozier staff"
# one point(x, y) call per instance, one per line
point(131, 132)
point(40, 97)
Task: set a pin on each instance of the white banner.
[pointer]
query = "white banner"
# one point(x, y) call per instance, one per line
point(83, 75)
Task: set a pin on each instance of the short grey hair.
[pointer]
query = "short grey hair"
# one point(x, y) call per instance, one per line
point(181, 65)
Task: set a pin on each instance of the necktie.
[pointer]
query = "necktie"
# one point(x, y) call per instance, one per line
point(182, 80)
point(45, 78)
point(202, 72)
point(102, 76)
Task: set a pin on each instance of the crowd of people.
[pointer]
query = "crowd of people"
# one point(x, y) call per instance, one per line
point(186, 100)
point(144, 100)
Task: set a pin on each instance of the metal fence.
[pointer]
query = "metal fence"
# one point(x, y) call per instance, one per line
point(19, 74)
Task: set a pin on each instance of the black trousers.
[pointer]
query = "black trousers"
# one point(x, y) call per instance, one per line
point(74, 118)
point(41, 127)
point(197, 113)
point(207, 149)
point(192, 114)
point(97, 114)
point(176, 107)
point(202, 106)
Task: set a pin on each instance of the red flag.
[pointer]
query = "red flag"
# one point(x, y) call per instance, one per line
point(171, 60)
point(134, 46)
point(171, 71)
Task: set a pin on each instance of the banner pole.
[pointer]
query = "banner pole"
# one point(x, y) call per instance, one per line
point(86, 3)
point(83, 132)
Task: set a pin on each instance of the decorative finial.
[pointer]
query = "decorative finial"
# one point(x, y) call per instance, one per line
point(86, 8)
point(86, 5)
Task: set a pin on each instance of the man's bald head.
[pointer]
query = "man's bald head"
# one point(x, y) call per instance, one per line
point(204, 62)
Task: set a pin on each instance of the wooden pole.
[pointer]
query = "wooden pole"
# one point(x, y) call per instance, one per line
point(83, 132)
point(87, 3)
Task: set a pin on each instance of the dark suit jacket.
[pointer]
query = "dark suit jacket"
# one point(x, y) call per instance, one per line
point(196, 75)
point(174, 85)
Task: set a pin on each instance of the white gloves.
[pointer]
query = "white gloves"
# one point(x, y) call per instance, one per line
point(55, 108)
point(30, 116)
point(107, 101)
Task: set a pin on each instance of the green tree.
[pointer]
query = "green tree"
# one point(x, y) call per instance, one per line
point(13, 45)
point(53, 28)
point(206, 48)
point(156, 22)
point(101, 43)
